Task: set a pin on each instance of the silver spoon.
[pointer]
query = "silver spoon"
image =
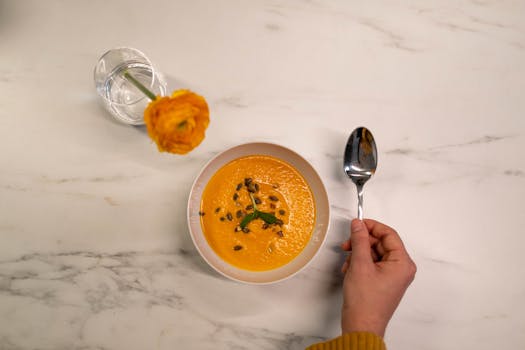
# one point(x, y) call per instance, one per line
point(360, 161)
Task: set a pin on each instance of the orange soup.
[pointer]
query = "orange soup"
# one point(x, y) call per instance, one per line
point(257, 212)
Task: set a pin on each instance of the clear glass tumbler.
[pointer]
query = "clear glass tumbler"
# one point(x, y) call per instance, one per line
point(121, 97)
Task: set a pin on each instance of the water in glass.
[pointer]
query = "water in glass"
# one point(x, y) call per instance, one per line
point(123, 99)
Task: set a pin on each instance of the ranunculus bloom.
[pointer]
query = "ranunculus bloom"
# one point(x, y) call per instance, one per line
point(177, 124)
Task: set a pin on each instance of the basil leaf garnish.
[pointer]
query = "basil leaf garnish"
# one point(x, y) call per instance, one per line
point(246, 220)
point(268, 218)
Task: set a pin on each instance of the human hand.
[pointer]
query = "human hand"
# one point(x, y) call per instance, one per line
point(377, 273)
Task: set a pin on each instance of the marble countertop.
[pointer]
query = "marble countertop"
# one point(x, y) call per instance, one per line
point(95, 252)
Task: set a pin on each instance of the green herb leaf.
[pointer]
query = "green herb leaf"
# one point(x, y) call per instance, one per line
point(246, 220)
point(267, 217)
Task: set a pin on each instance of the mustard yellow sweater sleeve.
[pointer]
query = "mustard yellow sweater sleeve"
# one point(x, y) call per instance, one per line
point(352, 341)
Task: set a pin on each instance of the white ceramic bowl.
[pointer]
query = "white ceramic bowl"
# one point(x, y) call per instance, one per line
point(322, 218)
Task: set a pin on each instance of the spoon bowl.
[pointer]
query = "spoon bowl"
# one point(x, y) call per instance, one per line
point(360, 161)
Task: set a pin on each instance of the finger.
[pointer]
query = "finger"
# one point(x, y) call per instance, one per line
point(346, 245)
point(390, 242)
point(346, 264)
point(360, 243)
point(345, 267)
point(378, 247)
point(373, 252)
point(375, 255)
point(388, 237)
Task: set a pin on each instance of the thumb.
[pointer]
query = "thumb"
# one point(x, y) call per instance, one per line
point(360, 242)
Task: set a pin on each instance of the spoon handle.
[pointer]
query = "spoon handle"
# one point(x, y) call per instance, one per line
point(359, 202)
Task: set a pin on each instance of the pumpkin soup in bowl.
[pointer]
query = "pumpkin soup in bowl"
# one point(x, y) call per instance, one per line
point(258, 213)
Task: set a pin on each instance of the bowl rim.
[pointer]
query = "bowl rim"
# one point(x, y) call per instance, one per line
point(325, 226)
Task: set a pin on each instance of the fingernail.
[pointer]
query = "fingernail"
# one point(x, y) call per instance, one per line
point(345, 266)
point(356, 225)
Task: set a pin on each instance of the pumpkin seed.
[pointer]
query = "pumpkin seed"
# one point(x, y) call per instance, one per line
point(218, 209)
point(251, 188)
point(246, 230)
point(280, 233)
point(249, 207)
point(273, 198)
point(247, 181)
point(257, 200)
point(238, 229)
point(238, 214)
point(235, 196)
point(201, 213)
point(239, 186)
point(222, 218)
point(237, 247)
point(229, 216)
point(265, 226)
point(281, 212)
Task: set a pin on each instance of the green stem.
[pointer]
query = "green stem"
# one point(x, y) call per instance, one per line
point(139, 86)
point(253, 202)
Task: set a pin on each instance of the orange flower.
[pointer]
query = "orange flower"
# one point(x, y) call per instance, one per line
point(177, 123)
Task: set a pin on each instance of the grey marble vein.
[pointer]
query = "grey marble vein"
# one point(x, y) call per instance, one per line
point(435, 150)
point(232, 101)
point(246, 338)
point(486, 139)
point(392, 39)
point(455, 27)
point(122, 272)
point(514, 173)
point(487, 22)
point(95, 179)
point(273, 27)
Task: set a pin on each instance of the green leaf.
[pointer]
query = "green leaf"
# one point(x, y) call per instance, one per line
point(246, 220)
point(268, 218)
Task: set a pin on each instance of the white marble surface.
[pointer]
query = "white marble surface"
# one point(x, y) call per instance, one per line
point(95, 252)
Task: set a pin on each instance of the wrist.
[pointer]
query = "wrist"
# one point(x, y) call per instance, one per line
point(363, 325)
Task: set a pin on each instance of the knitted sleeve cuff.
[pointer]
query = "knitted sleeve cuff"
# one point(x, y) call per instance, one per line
point(352, 341)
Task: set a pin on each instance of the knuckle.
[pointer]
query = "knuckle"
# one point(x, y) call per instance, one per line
point(390, 230)
point(411, 270)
